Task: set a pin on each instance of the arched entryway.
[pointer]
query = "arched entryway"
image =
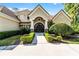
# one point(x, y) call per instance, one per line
point(39, 27)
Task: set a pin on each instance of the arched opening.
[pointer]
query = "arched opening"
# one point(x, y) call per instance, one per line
point(39, 27)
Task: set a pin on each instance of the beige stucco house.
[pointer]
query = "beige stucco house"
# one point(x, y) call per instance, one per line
point(36, 19)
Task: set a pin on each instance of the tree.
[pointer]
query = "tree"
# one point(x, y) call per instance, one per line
point(50, 23)
point(73, 11)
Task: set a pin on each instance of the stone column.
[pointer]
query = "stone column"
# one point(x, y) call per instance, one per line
point(46, 25)
point(32, 26)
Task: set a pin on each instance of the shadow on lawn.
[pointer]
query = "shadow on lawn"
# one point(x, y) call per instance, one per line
point(10, 47)
point(59, 42)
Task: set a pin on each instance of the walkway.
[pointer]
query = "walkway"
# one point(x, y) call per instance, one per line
point(39, 39)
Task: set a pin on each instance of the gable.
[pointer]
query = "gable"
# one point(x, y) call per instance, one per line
point(62, 17)
point(38, 11)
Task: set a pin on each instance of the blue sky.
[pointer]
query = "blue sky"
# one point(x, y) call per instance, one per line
point(51, 8)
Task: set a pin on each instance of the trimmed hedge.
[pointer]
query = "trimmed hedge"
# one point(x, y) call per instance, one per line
point(28, 38)
point(51, 38)
point(48, 37)
point(7, 34)
point(61, 29)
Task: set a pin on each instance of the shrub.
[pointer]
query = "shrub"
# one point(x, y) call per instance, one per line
point(59, 38)
point(50, 23)
point(61, 29)
point(75, 27)
point(25, 30)
point(7, 34)
point(49, 38)
point(27, 38)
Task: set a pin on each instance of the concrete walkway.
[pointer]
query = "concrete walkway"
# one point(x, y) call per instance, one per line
point(39, 38)
point(40, 47)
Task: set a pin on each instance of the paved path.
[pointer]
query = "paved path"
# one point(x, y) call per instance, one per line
point(39, 38)
point(41, 48)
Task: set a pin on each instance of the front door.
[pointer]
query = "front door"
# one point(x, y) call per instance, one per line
point(39, 27)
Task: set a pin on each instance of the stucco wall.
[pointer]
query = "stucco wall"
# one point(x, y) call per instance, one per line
point(39, 13)
point(8, 25)
point(60, 18)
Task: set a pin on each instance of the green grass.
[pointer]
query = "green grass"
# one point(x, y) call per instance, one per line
point(72, 41)
point(68, 40)
point(9, 41)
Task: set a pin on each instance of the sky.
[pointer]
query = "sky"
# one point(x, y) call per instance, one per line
point(51, 8)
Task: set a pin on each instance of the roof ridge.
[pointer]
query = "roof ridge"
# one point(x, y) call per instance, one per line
point(63, 12)
point(41, 7)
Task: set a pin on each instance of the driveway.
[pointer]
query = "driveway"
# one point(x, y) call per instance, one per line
point(40, 47)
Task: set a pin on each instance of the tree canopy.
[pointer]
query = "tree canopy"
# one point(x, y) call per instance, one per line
point(73, 11)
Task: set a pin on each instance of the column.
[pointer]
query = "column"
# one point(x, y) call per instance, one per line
point(46, 25)
point(32, 26)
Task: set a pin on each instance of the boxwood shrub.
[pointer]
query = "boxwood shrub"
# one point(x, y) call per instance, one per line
point(59, 38)
point(61, 29)
point(8, 34)
point(27, 38)
point(51, 38)
point(48, 37)
point(25, 30)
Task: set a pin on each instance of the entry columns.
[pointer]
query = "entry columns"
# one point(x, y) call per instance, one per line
point(32, 26)
point(46, 26)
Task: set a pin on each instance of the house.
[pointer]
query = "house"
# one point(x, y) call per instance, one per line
point(36, 19)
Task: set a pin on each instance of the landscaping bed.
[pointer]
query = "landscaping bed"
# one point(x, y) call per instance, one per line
point(62, 33)
point(9, 41)
point(58, 39)
point(7, 34)
point(13, 37)
point(53, 38)
point(27, 38)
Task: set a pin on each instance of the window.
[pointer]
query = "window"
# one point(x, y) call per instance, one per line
point(28, 17)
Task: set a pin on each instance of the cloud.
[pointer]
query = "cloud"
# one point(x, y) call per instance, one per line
point(16, 9)
point(54, 3)
point(21, 9)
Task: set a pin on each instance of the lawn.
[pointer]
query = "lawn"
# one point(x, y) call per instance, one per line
point(9, 41)
point(72, 41)
point(52, 38)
